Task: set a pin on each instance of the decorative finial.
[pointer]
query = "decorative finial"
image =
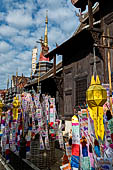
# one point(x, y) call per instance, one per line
point(8, 82)
point(46, 17)
point(46, 32)
point(17, 73)
point(11, 81)
point(56, 45)
point(97, 80)
point(93, 80)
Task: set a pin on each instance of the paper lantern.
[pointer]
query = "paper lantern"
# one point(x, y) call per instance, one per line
point(16, 105)
point(1, 107)
point(96, 96)
point(75, 119)
point(75, 143)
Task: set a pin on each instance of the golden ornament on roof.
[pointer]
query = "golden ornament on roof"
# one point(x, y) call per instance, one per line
point(96, 96)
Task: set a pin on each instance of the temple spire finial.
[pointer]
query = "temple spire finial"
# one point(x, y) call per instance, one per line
point(46, 31)
point(16, 72)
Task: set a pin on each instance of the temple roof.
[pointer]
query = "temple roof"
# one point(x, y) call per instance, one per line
point(3, 91)
point(84, 18)
point(20, 80)
point(46, 75)
point(42, 58)
point(71, 45)
point(82, 3)
point(81, 34)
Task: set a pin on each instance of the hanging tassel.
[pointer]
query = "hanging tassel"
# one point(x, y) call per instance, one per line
point(41, 143)
point(47, 143)
point(47, 140)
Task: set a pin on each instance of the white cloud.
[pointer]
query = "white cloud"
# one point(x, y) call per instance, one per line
point(50, 4)
point(7, 31)
point(23, 23)
point(24, 32)
point(7, 57)
point(26, 56)
point(68, 28)
point(56, 35)
point(19, 18)
point(23, 41)
point(2, 16)
point(60, 14)
point(4, 47)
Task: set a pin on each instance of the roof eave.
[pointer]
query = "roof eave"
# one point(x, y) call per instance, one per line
point(82, 4)
point(62, 49)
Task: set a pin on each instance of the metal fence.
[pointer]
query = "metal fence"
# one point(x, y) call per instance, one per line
point(21, 164)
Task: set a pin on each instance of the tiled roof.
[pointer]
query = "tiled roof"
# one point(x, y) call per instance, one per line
point(19, 80)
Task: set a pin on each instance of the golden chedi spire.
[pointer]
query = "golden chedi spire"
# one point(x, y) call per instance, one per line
point(46, 32)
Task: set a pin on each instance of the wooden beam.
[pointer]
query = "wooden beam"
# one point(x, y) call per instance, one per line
point(109, 71)
point(105, 36)
point(103, 46)
point(90, 12)
point(54, 65)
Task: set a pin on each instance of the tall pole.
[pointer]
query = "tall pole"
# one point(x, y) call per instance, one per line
point(109, 70)
point(54, 65)
point(22, 117)
point(38, 79)
point(8, 83)
point(103, 43)
point(94, 67)
point(16, 80)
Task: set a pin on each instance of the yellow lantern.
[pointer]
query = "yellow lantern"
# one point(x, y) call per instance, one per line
point(96, 96)
point(16, 105)
point(1, 107)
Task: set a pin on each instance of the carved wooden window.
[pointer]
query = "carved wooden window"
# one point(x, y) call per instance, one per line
point(81, 87)
point(68, 80)
point(68, 103)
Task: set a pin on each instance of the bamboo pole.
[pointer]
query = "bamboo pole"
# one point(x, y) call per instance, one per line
point(38, 79)
point(103, 43)
point(109, 71)
point(22, 117)
point(23, 122)
point(54, 65)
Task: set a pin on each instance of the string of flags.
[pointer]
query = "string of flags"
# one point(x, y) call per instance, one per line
point(91, 146)
point(83, 148)
point(29, 115)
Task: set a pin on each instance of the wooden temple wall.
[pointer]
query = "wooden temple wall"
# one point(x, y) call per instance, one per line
point(77, 74)
point(77, 78)
point(108, 24)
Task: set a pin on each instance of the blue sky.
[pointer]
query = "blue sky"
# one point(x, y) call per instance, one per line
point(22, 23)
